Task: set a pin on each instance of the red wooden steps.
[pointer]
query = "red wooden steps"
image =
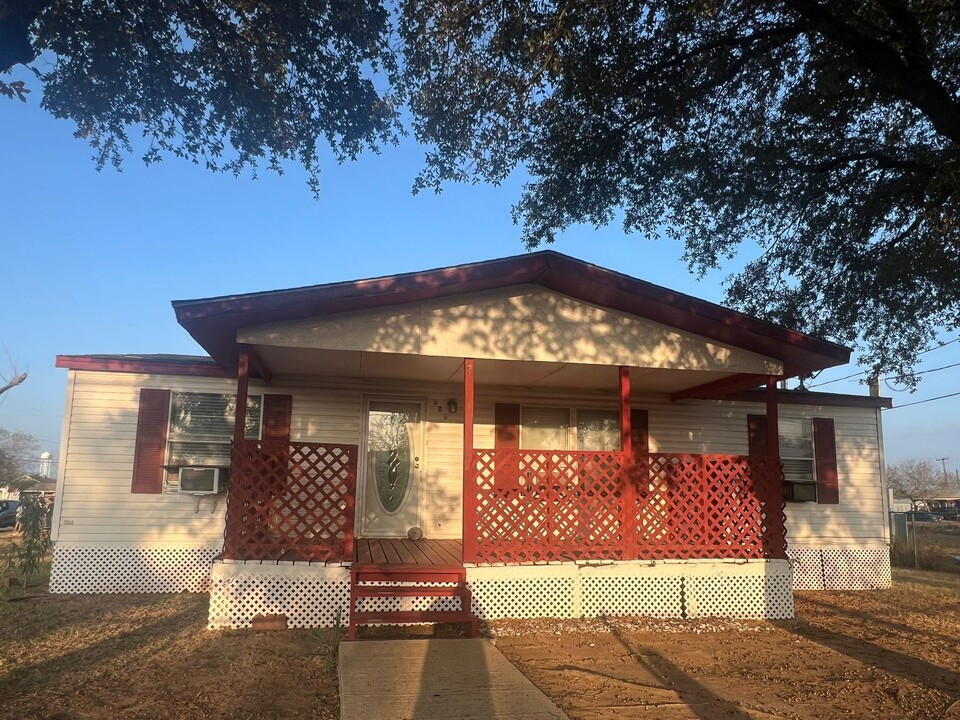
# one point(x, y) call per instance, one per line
point(399, 579)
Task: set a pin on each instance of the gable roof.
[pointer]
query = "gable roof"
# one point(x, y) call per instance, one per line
point(213, 322)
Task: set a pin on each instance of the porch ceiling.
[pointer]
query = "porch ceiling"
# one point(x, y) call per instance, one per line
point(392, 366)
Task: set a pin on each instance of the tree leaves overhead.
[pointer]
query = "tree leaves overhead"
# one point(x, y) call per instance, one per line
point(817, 143)
point(826, 133)
point(225, 83)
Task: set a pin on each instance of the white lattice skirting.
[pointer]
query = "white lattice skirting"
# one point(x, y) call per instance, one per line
point(308, 595)
point(86, 568)
point(752, 589)
point(830, 567)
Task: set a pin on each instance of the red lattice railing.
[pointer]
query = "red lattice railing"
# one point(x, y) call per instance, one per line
point(541, 505)
point(291, 500)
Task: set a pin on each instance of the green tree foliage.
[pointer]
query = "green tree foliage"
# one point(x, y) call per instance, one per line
point(825, 134)
point(224, 83)
point(828, 133)
point(21, 557)
point(19, 453)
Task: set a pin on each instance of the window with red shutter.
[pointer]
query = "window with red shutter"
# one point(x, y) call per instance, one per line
point(201, 430)
point(808, 452)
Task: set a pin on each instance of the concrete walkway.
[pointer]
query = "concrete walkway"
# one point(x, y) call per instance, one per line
point(435, 680)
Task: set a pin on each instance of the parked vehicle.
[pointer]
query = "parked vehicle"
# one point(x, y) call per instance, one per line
point(8, 512)
point(924, 517)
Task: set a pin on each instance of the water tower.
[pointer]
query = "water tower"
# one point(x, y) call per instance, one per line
point(46, 464)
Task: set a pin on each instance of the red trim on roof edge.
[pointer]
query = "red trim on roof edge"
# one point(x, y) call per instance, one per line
point(214, 322)
point(152, 367)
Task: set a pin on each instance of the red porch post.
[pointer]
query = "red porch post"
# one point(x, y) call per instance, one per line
point(469, 534)
point(626, 438)
point(628, 472)
point(775, 537)
point(243, 381)
point(773, 421)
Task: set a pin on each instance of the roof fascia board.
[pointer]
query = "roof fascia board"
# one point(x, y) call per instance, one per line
point(213, 322)
point(149, 367)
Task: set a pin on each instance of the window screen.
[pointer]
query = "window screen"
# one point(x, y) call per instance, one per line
point(598, 430)
point(201, 427)
point(544, 428)
point(796, 453)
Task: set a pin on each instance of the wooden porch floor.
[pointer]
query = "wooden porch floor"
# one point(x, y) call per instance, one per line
point(403, 551)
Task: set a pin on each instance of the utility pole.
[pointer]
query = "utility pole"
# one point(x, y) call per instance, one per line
point(943, 461)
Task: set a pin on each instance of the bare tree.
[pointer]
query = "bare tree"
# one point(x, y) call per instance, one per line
point(14, 379)
point(916, 479)
point(19, 451)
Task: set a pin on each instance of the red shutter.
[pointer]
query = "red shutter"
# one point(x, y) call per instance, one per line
point(275, 418)
point(757, 434)
point(507, 437)
point(825, 448)
point(640, 435)
point(151, 444)
point(507, 418)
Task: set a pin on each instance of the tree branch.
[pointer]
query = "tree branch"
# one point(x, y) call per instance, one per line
point(909, 78)
point(882, 161)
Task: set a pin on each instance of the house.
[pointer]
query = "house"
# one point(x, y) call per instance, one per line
point(38, 484)
point(526, 437)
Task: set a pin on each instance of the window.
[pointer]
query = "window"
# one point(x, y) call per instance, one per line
point(201, 430)
point(550, 428)
point(544, 428)
point(598, 430)
point(797, 455)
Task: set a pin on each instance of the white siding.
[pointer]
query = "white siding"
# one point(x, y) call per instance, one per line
point(721, 428)
point(95, 503)
point(442, 499)
point(320, 415)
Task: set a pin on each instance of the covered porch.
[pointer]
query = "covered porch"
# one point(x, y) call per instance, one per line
point(298, 501)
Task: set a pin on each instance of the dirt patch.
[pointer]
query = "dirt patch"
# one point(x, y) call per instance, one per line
point(885, 653)
point(151, 656)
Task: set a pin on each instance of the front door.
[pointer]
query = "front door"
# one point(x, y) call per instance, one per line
point(391, 483)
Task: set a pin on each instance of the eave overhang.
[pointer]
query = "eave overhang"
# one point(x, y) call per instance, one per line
point(213, 322)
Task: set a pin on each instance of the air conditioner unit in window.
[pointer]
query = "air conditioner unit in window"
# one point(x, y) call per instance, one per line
point(199, 480)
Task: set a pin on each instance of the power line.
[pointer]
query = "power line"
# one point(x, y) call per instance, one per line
point(921, 402)
point(895, 377)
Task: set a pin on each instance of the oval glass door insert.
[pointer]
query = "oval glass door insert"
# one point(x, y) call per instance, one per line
point(389, 442)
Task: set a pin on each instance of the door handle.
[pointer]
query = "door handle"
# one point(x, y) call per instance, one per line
point(416, 463)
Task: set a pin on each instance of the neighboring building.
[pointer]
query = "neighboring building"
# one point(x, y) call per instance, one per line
point(536, 435)
point(39, 484)
point(945, 504)
point(899, 504)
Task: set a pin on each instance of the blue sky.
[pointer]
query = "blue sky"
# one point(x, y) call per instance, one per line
point(91, 260)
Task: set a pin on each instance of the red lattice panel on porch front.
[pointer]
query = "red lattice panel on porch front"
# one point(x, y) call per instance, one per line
point(534, 506)
point(291, 501)
point(708, 506)
point(548, 505)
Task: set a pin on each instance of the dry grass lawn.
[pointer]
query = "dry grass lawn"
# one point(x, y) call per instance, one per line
point(889, 653)
point(73, 657)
